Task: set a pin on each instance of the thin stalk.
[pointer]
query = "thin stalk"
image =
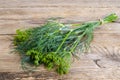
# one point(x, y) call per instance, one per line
point(77, 41)
point(63, 41)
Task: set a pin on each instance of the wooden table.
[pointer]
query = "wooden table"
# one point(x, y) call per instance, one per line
point(102, 62)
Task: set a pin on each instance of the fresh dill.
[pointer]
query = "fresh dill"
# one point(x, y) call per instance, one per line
point(54, 44)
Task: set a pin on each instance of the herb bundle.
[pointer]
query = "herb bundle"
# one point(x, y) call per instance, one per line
point(54, 44)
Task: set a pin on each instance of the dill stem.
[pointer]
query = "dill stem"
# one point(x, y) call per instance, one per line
point(63, 41)
point(77, 41)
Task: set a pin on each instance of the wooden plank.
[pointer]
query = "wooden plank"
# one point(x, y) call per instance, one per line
point(58, 3)
point(73, 13)
point(10, 26)
point(100, 63)
point(21, 18)
point(12, 60)
point(104, 74)
point(102, 47)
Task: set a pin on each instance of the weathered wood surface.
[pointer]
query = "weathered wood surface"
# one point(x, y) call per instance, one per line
point(59, 3)
point(102, 62)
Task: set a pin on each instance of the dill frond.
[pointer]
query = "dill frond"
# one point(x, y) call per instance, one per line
point(54, 44)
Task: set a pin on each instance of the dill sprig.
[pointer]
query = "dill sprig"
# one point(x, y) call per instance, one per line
point(54, 44)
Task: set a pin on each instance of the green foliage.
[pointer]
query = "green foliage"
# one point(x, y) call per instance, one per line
point(53, 44)
point(21, 36)
point(50, 60)
point(110, 18)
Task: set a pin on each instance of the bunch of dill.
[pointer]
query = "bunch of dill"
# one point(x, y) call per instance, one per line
point(54, 44)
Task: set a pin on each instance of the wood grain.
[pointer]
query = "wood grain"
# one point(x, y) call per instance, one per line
point(10, 27)
point(98, 62)
point(61, 3)
point(37, 13)
point(31, 17)
point(102, 62)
